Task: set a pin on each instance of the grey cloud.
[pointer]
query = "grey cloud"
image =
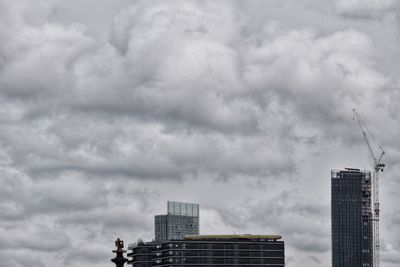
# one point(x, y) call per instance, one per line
point(87, 253)
point(236, 112)
point(54, 49)
point(37, 238)
point(396, 218)
point(62, 149)
point(127, 208)
point(108, 218)
point(10, 210)
point(66, 194)
point(195, 87)
point(23, 197)
point(369, 9)
point(390, 254)
point(333, 63)
point(20, 259)
point(104, 117)
point(303, 224)
point(141, 96)
point(315, 259)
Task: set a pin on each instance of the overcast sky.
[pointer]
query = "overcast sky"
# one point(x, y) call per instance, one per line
point(109, 108)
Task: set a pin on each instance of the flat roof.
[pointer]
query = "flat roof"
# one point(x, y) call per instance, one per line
point(234, 236)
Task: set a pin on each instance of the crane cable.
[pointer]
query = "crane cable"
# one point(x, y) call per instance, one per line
point(370, 133)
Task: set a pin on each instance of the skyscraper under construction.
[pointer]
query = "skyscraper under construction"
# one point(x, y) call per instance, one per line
point(352, 236)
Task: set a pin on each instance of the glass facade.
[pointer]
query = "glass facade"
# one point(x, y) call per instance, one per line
point(142, 254)
point(352, 239)
point(215, 251)
point(182, 219)
point(183, 209)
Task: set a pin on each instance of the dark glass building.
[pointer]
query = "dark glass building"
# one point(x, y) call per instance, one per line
point(352, 238)
point(212, 250)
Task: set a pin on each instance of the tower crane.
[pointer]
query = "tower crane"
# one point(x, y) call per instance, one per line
point(378, 167)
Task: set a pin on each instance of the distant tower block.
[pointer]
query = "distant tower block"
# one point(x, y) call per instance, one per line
point(119, 260)
point(182, 219)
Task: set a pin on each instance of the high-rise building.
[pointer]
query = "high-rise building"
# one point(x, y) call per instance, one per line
point(181, 219)
point(211, 250)
point(352, 236)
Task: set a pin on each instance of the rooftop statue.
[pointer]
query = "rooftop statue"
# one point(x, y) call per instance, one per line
point(119, 260)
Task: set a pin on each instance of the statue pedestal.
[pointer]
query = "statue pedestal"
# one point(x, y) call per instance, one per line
point(119, 260)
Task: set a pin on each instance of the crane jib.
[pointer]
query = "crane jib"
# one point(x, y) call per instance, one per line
point(378, 167)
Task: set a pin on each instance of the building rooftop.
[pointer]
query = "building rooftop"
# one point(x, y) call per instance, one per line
point(182, 209)
point(234, 236)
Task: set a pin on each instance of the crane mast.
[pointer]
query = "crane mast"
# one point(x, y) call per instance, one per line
point(378, 167)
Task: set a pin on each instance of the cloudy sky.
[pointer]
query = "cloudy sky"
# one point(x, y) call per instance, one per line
point(109, 108)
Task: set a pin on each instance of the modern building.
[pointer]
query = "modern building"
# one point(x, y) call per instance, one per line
point(142, 254)
point(211, 250)
point(181, 219)
point(352, 236)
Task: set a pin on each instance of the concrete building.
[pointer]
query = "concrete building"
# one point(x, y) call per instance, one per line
point(181, 219)
point(211, 250)
point(352, 236)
